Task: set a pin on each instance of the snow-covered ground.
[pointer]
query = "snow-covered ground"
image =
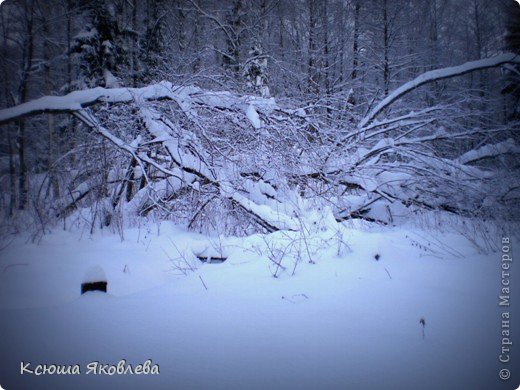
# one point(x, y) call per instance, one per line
point(345, 321)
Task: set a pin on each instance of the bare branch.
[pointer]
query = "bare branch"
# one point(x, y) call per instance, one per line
point(438, 74)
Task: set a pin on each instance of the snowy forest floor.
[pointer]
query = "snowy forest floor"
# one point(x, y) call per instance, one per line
point(348, 321)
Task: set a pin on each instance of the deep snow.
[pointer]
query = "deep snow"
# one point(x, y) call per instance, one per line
point(348, 321)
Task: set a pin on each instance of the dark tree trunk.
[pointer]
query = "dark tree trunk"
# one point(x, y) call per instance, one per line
point(313, 73)
point(386, 68)
point(12, 174)
point(50, 118)
point(23, 93)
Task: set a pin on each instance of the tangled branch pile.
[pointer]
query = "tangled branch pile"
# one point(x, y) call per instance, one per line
point(217, 160)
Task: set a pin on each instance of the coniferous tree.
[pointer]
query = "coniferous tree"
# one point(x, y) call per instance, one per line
point(97, 48)
point(513, 44)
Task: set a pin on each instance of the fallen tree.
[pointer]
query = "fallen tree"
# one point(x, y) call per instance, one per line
point(272, 164)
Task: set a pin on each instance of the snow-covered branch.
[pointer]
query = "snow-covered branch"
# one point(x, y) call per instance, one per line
point(185, 96)
point(439, 74)
point(77, 100)
point(508, 146)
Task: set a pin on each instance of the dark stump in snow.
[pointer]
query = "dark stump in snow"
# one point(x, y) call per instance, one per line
point(212, 259)
point(94, 280)
point(211, 255)
point(94, 286)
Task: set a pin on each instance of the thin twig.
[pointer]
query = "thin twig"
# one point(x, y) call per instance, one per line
point(204, 284)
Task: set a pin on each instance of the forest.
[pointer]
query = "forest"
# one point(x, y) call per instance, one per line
point(245, 116)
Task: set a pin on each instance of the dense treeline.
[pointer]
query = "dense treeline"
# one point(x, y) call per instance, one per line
point(328, 63)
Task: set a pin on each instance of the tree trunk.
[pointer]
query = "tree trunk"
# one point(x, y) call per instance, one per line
point(234, 20)
point(50, 118)
point(22, 93)
point(313, 73)
point(386, 67)
point(181, 17)
point(12, 174)
point(135, 44)
point(341, 75)
point(355, 47)
point(8, 128)
point(326, 62)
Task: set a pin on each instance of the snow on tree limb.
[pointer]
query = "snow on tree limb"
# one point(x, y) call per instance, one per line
point(78, 100)
point(438, 74)
point(506, 147)
point(192, 162)
point(185, 96)
point(164, 130)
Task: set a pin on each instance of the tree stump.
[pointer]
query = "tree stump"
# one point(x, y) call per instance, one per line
point(94, 280)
